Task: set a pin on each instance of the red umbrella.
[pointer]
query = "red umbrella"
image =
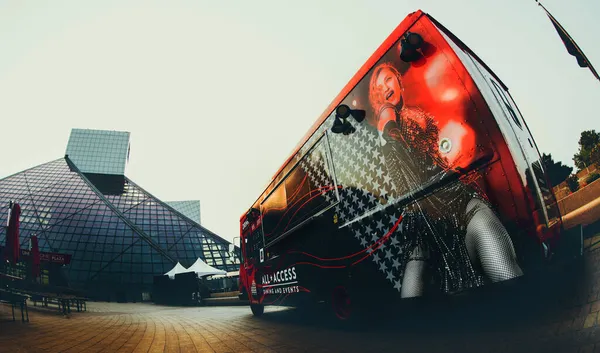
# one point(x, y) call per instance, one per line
point(12, 233)
point(8, 238)
point(35, 256)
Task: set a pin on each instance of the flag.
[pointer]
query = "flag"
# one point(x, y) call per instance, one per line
point(570, 44)
point(12, 233)
point(35, 257)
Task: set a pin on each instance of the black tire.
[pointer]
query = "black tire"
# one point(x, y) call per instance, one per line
point(567, 264)
point(349, 308)
point(257, 309)
point(342, 305)
point(570, 250)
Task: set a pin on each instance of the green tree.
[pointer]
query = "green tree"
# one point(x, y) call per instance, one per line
point(557, 172)
point(595, 155)
point(589, 149)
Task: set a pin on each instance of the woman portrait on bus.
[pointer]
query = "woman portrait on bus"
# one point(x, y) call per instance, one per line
point(452, 231)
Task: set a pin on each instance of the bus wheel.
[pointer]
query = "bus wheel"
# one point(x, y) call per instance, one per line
point(341, 302)
point(257, 309)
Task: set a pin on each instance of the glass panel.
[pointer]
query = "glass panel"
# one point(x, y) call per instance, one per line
point(107, 254)
point(305, 191)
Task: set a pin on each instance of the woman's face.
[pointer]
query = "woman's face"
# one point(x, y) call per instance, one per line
point(388, 86)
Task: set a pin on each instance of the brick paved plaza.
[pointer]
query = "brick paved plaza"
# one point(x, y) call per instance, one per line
point(562, 318)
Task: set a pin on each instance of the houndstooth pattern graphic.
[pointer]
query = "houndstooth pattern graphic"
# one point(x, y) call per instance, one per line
point(367, 195)
point(317, 167)
point(365, 187)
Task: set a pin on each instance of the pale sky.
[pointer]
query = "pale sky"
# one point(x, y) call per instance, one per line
point(216, 94)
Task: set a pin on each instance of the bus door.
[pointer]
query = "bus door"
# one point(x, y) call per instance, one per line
point(252, 254)
point(253, 244)
point(535, 177)
point(548, 200)
point(515, 132)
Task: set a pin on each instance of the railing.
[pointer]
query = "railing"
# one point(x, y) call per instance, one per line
point(580, 198)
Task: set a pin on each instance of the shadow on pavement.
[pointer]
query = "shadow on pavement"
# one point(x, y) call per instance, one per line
point(517, 306)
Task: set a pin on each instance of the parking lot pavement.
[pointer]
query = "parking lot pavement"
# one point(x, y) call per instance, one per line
point(560, 317)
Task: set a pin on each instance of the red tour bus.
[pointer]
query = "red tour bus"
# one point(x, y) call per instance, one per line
point(421, 178)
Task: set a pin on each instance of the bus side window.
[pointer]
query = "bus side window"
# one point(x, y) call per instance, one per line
point(506, 104)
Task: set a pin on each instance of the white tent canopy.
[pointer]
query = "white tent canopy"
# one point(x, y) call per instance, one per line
point(175, 270)
point(228, 274)
point(203, 269)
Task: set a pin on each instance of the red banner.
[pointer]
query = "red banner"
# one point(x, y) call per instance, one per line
point(63, 259)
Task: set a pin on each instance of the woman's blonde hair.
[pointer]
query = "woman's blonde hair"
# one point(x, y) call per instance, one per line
point(376, 97)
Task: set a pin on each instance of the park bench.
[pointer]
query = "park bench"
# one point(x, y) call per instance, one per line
point(14, 299)
point(62, 297)
point(64, 302)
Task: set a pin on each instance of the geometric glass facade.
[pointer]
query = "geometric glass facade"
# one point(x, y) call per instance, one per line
point(190, 209)
point(99, 151)
point(118, 234)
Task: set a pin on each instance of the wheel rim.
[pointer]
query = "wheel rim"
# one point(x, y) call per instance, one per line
point(342, 305)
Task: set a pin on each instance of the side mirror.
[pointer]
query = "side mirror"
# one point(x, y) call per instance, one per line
point(341, 125)
point(231, 248)
point(410, 44)
point(252, 214)
point(344, 112)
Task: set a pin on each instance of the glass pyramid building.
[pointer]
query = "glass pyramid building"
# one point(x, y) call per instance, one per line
point(119, 235)
point(189, 208)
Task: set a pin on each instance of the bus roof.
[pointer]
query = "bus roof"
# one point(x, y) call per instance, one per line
point(410, 20)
